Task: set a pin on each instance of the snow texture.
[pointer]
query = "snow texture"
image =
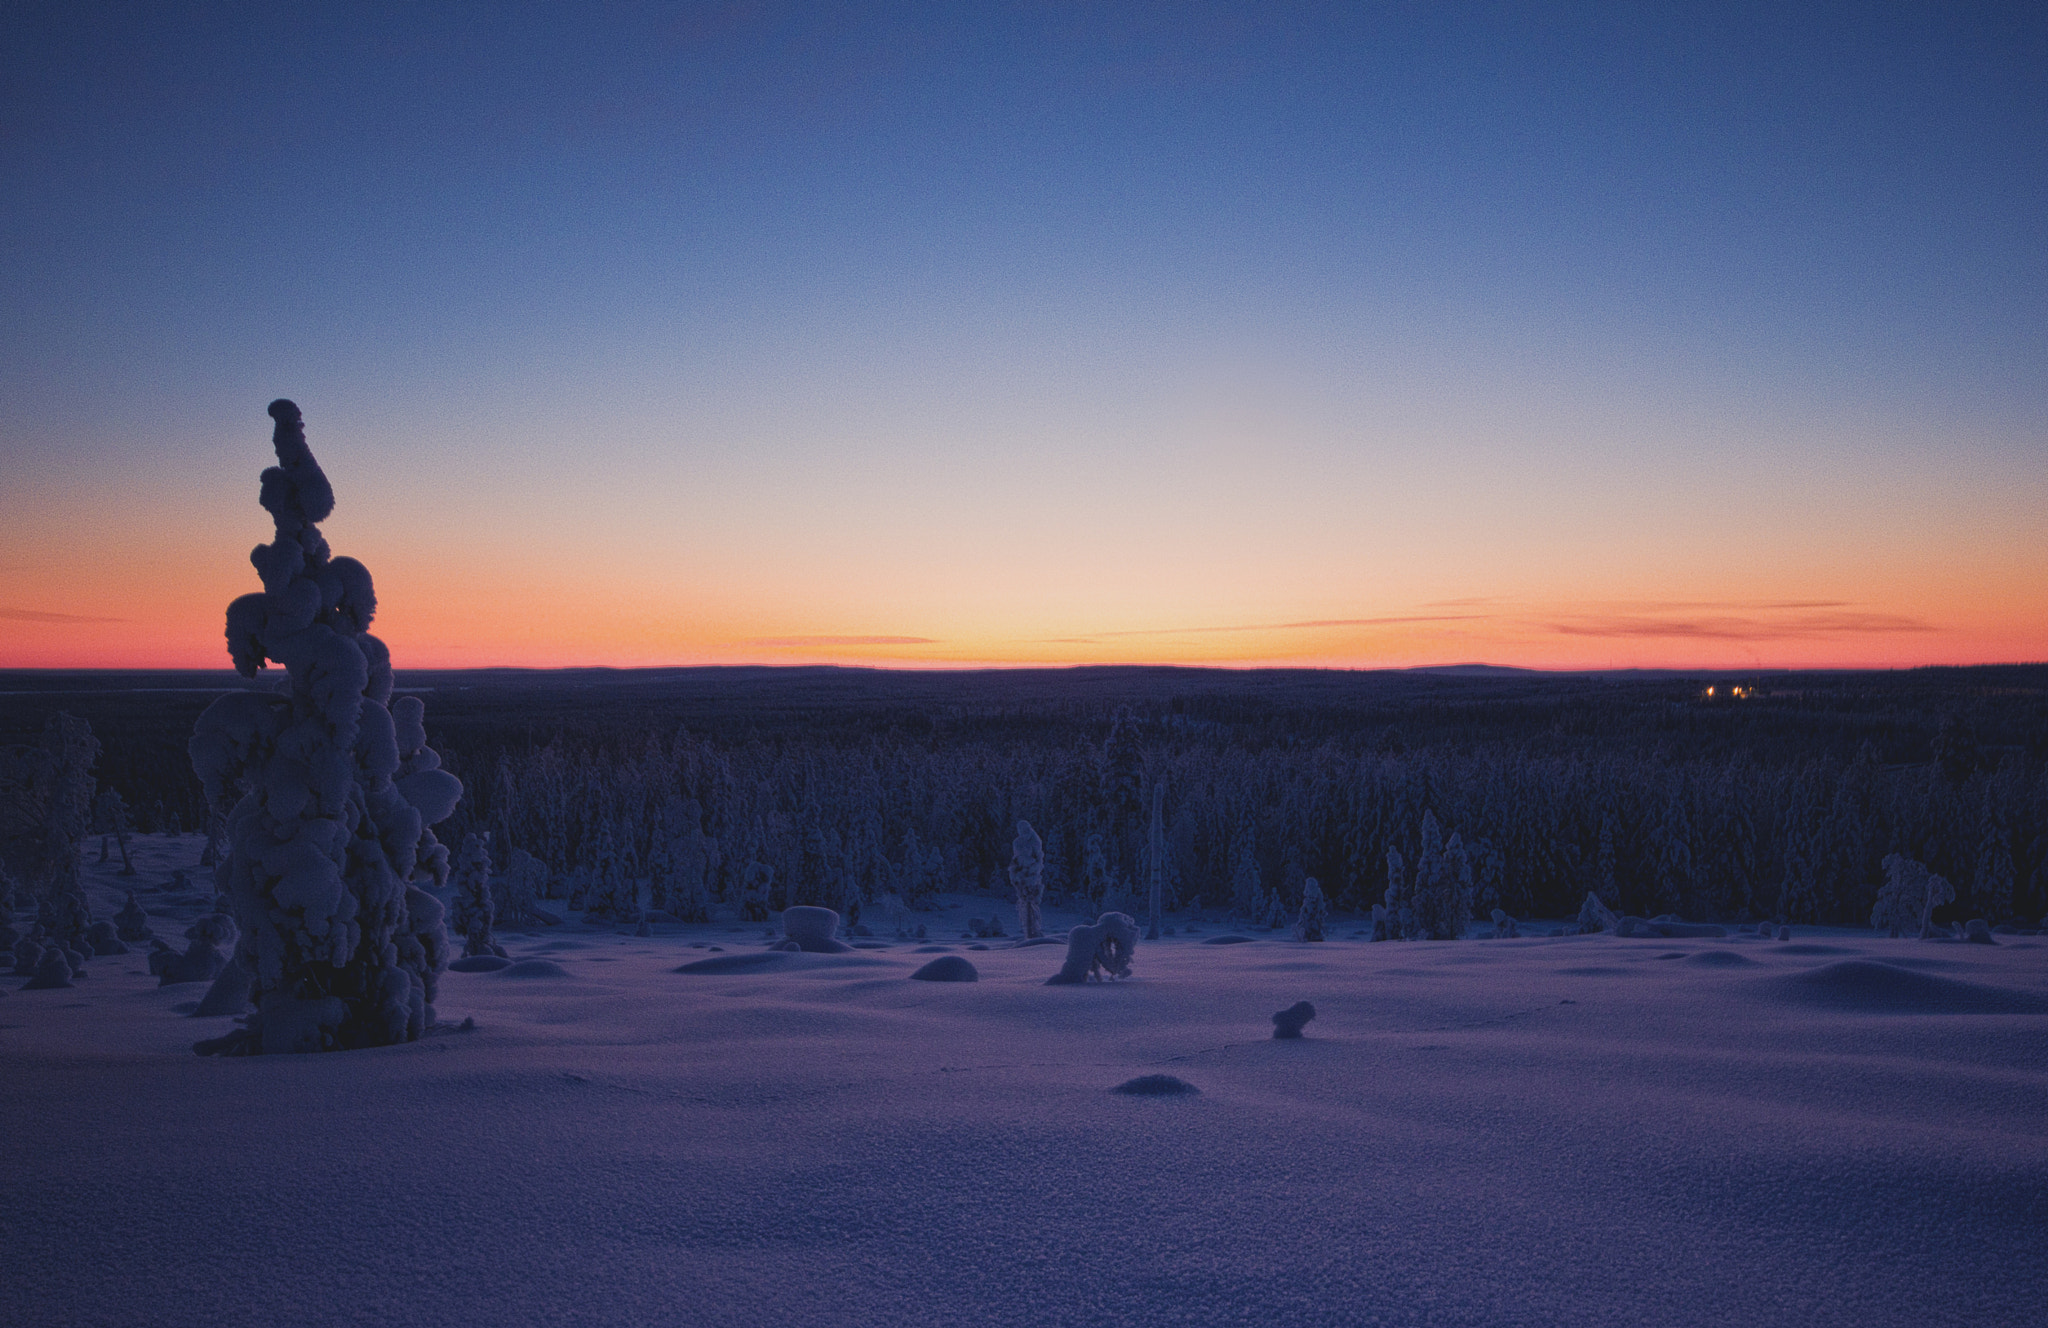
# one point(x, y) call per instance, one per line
point(1546, 1132)
point(331, 791)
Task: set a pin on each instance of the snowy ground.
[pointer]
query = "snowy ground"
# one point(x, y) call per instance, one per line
point(1586, 1131)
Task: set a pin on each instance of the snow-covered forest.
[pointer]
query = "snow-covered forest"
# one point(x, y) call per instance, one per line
point(847, 786)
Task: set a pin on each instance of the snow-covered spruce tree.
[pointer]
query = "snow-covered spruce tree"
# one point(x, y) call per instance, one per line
point(1443, 885)
point(610, 894)
point(1247, 887)
point(1798, 894)
point(110, 821)
point(1155, 864)
point(1027, 877)
point(1991, 890)
point(474, 910)
point(1315, 912)
point(331, 802)
point(1396, 899)
point(46, 807)
point(520, 889)
point(686, 860)
point(1098, 878)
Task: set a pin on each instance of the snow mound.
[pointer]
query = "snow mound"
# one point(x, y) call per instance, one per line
point(815, 930)
point(1811, 948)
point(1155, 1085)
point(1864, 986)
point(947, 968)
point(779, 960)
point(740, 963)
point(229, 994)
point(1720, 959)
point(483, 963)
point(534, 968)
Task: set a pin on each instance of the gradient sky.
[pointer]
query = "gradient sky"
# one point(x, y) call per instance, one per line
point(1359, 335)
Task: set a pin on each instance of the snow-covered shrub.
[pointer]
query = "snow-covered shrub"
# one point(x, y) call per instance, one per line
point(53, 971)
point(1100, 950)
point(1315, 912)
point(333, 790)
point(101, 938)
point(474, 910)
point(1595, 916)
point(1027, 876)
point(204, 957)
point(132, 922)
point(1911, 893)
point(1504, 927)
point(110, 821)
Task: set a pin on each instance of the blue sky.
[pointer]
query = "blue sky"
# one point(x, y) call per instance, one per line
point(802, 304)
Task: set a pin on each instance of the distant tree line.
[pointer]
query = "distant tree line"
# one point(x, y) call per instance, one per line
point(760, 788)
point(845, 822)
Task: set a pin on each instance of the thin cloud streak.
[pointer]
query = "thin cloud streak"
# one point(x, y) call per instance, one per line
point(1740, 629)
point(1271, 627)
point(39, 616)
point(800, 642)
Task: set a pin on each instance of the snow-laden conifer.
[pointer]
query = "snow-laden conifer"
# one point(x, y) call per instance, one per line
point(1315, 912)
point(1027, 877)
point(1905, 905)
point(333, 790)
point(474, 911)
